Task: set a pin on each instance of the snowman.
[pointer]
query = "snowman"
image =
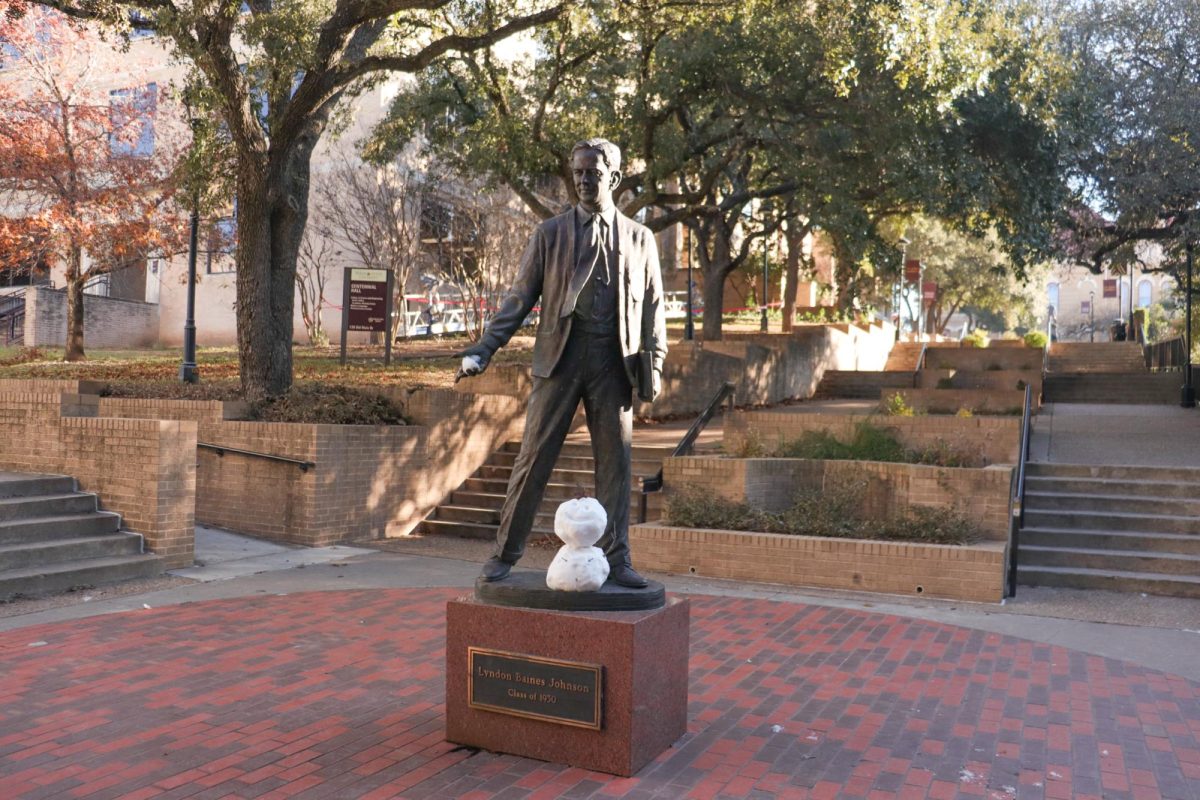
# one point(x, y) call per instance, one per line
point(578, 566)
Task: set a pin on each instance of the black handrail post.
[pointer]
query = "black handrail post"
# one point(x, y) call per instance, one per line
point(1188, 393)
point(1017, 498)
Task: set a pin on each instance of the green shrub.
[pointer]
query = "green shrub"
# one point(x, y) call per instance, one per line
point(867, 443)
point(1036, 339)
point(751, 446)
point(835, 511)
point(896, 406)
point(693, 507)
point(976, 338)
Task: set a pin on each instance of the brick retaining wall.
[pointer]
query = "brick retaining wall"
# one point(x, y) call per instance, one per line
point(771, 484)
point(143, 469)
point(107, 322)
point(961, 573)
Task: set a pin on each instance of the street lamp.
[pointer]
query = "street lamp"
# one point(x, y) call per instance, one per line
point(904, 243)
point(766, 278)
point(1092, 316)
point(188, 371)
point(689, 326)
point(1188, 395)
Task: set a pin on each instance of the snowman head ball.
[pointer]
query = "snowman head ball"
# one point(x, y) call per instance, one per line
point(580, 523)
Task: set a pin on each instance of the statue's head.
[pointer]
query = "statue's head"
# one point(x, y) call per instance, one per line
point(596, 170)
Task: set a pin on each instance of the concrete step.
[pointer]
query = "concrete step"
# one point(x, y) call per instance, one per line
point(51, 505)
point(1112, 521)
point(454, 513)
point(1130, 473)
point(641, 466)
point(1117, 581)
point(1109, 560)
point(1113, 388)
point(15, 484)
point(1110, 487)
point(584, 450)
point(23, 531)
point(1111, 540)
point(1097, 503)
point(470, 530)
point(31, 581)
point(58, 551)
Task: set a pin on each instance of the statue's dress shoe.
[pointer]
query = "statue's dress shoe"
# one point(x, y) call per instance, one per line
point(624, 575)
point(496, 570)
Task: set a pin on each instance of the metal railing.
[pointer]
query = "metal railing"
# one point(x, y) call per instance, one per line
point(920, 364)
point(221, 450)
point(1016, 501)
point(1168, 354)
point(654, 483)
point(12, 318)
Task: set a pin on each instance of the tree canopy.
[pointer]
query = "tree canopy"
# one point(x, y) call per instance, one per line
point(1134, 129)
point(736, 116)
point(80, 170)
point(273, 74)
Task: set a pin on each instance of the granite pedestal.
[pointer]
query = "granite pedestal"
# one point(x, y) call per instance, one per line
point(602, 690)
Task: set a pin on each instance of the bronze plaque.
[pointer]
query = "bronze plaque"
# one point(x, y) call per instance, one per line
point(566, 692)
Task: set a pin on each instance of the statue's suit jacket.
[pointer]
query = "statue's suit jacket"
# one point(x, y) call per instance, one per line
point(546, 272)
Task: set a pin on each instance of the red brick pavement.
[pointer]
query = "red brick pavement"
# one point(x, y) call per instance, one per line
point(340, 695)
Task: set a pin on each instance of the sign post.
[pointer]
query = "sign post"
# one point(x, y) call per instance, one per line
point(367, 306)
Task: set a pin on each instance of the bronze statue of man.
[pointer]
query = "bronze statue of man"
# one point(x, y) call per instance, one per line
point(602, 332)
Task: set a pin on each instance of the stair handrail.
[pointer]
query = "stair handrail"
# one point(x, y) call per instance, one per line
point(1016, 501)
point(654, 483)
point(920, 363)
point(221, 450)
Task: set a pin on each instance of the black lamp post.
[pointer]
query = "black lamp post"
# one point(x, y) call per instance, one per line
point(188, 371)
point(766, 279)
point(689, 326)
point(1188, 393)
point(1092, 316)
point(904, 242)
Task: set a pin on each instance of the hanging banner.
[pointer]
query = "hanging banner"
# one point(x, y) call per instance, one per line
point(912, 270)
point(1110, 287)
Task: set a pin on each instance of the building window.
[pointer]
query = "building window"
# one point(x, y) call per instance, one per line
point(131, 115)
point(1124, 301)
point(1052, 298)
point(1144, 292)
point(222, 242)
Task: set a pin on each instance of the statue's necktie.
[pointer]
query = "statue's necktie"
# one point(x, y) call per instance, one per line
point(592, 260)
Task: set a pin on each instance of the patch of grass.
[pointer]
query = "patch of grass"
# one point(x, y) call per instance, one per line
point(835, 512)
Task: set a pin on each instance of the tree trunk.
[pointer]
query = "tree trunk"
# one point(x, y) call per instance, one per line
point(714, 300)
point(272, 212)
point(75, 282)
point(795, 242)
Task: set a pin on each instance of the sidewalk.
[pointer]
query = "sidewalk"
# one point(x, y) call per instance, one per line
point(297, 678)
point(1134, 435)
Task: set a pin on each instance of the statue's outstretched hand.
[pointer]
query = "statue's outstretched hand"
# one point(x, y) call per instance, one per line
point(475, 360)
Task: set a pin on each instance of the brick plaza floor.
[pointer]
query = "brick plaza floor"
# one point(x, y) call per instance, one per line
point(340, 695)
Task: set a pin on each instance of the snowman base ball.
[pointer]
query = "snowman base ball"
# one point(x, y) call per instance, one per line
point(579, 566)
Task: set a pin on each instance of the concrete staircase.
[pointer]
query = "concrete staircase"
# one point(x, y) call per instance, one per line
point(860, 384)
point(1112, 373)
point(473, 510)
point(903, 357)
point(53, 537)
point(1129, 529)
point(1089, 357)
